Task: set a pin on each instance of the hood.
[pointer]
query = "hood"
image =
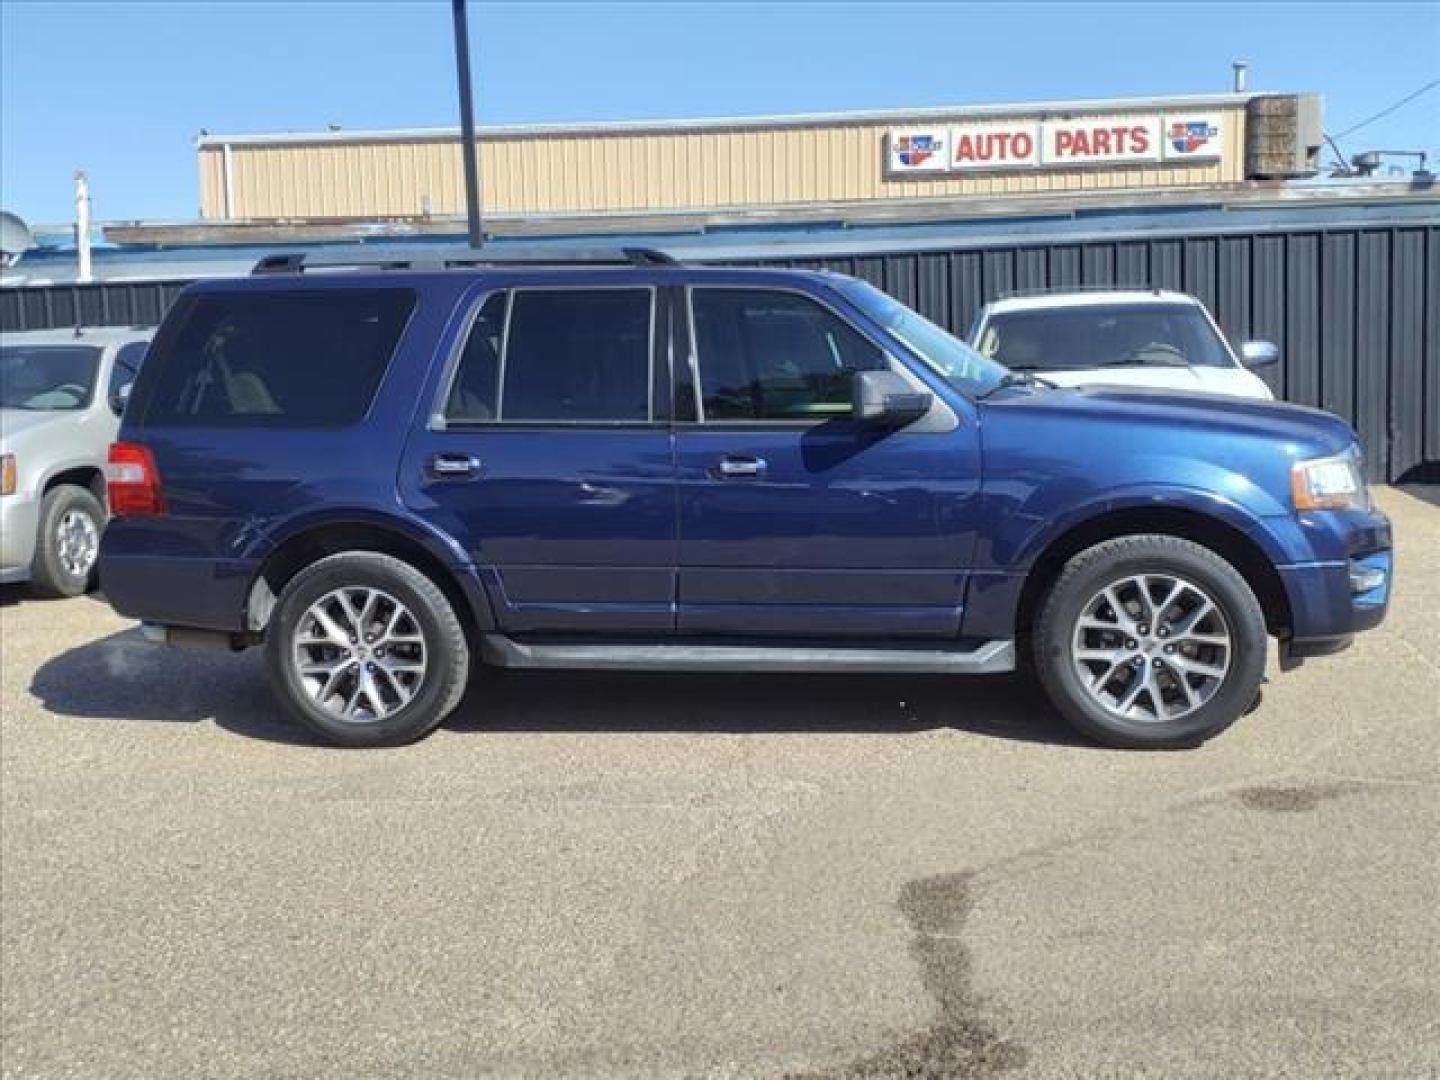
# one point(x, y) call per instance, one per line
point(1215, 380)
point(15, 422)
point(1309, 430)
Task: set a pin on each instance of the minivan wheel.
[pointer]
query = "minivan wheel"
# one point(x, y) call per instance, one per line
point(1150, 642)
point(365, 650)
point(68, 543)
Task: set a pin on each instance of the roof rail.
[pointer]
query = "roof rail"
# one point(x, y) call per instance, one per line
point(1054, 290)
point(297, 262)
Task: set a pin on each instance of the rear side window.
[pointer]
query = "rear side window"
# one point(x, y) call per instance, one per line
point(557, 356)
point(292, 359)
point(474, 395)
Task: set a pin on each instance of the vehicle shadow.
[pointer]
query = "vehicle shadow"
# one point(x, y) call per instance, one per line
point(123, 677)
point(20, 592)
point(1429, 493)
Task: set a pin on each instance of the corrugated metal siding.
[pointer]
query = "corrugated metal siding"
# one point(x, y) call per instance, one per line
point(42, 307)
point(661, 170)
point(1356, 311)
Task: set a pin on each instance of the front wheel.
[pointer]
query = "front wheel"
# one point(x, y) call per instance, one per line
point(1150, 642)
point(365, 650)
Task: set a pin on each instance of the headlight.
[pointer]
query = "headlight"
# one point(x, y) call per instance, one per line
point(7, 474)
point(1331, 483)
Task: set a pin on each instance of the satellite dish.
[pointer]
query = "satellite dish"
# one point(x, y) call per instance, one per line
point(15, 238)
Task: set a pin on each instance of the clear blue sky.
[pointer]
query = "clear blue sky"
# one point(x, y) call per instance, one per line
point(121, 89)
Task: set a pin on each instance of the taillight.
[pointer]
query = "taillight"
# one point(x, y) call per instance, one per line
point(134, 482)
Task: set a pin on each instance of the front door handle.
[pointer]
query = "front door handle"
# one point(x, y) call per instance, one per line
point(731, 468)
point(454, 466)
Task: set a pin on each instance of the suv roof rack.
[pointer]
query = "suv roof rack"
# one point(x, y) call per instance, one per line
point(297, 262)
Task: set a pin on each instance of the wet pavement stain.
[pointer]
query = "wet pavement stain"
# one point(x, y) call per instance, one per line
point(960, 1043)
point(1291, 798)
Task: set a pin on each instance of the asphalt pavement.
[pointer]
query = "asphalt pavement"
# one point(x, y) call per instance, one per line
point(738, 876)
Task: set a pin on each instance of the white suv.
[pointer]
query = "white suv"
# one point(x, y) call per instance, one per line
point(1156, 339)
point(61, 395)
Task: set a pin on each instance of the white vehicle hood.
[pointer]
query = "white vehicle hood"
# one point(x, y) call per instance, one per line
point(1211, 380)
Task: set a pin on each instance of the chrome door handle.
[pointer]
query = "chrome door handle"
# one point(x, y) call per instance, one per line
point(454, 466)
point(732, 467)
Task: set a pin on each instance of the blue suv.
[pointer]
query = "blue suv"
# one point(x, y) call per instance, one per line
point(386, 475)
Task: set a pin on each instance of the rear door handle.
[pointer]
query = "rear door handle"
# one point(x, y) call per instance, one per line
point(454, 466)
point(730, 468)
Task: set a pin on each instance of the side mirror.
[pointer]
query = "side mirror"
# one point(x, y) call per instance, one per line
point(121, 397)
point(886, 398)
point(1258, 354)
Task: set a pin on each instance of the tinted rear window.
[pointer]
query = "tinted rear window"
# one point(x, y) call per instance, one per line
point(276, 359)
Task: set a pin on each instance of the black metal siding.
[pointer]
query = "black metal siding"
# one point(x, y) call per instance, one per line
point(1355, 310)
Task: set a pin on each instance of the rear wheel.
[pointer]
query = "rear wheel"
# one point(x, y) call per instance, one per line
point(1150, 642)
point(68, 543)
point(366, 650)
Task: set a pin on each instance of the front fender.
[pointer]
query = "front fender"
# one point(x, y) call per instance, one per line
point(1026, 519)
point(1028, 546)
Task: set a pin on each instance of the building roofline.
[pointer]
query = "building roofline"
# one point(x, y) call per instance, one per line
point(183, 251)
point(1002, 212)
point(629, 127)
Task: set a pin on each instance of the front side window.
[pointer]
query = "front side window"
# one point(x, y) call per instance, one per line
point(775, 356)
point(47, 378)
point(1091, 336)
point(561, 356)
point(295, 358)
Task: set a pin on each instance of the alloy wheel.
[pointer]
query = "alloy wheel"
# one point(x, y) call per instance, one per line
point(1151, 647)
point(360, 654)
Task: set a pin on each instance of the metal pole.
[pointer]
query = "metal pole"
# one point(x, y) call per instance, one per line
point(469, 149)
point(82, 227)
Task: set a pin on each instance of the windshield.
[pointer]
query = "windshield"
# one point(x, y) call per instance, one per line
point(1104, 336)
point(943, 353)
point(47, 377)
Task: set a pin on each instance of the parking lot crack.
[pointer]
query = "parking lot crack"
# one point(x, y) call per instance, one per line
point(961, 1042)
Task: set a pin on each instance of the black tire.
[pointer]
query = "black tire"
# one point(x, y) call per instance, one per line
point(48, 574)
point(447, 653)
point(1089, 572)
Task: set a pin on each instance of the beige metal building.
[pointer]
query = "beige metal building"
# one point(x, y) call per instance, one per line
point(971, 154)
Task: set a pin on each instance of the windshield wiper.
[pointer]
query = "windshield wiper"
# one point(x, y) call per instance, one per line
point(1017, 377)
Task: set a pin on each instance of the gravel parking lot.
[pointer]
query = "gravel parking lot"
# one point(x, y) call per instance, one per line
point(718, 876)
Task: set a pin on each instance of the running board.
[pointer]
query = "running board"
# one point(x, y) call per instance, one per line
point(987, 658)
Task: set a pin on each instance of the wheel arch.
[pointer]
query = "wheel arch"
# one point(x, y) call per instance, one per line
point(89, 477)
point(1223, 537)
point(305, 542)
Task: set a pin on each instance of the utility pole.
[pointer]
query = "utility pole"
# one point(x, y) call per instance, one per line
point(469, 148)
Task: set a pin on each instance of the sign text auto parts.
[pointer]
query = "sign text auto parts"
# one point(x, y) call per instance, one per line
point(1031, 144)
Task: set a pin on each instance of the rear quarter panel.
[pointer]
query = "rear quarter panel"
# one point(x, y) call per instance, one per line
point(234, 494)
